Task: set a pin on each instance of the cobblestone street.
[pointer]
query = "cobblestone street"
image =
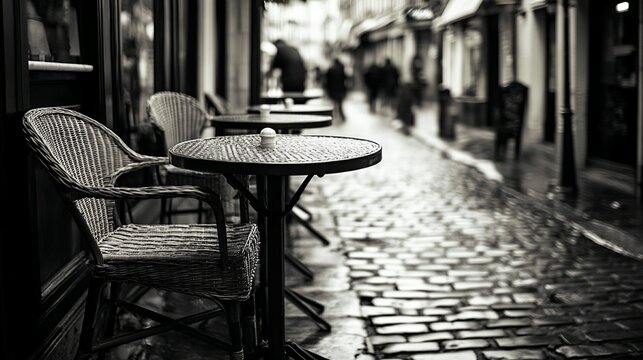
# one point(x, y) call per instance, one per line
point(447, 265)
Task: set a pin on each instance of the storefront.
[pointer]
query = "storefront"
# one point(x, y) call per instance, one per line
point(613, 69)
point(478, 56)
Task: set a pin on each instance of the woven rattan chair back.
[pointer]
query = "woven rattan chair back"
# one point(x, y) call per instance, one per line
point(216, 105)
point(179, 116)
point(79, 152)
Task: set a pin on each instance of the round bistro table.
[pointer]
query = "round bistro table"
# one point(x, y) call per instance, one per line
point(293, 155)
point(301, 109)
point(280, 122)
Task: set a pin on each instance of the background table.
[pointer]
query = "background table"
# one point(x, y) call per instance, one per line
point(301, 109)
point(293, 155)
point(298, 97)
point(275, 121)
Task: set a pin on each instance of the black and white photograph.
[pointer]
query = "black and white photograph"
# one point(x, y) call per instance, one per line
point(321, 179)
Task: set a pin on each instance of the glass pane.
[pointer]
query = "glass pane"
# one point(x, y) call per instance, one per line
point(137, 59)
point(52, 30)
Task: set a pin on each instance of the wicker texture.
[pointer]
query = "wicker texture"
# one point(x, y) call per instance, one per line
point(85, 158)
point(290, 149)
point(181, 118)
point(83, 155)
point(186, 257)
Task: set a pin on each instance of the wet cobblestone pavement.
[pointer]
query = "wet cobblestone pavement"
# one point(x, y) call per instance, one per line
point(448, 266)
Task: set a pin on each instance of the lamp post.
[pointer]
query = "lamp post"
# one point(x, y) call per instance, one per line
point(567, 183)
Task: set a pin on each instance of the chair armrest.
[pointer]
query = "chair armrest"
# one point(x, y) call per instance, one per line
point(163, 192)
point(143, 162)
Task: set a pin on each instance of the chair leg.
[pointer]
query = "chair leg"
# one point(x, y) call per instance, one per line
point(89, 320)
point(233, 312)
point(249, 322)
point(114, 292)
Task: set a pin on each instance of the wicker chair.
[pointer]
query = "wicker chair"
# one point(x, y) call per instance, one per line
point(213, 261)
point(181, 118)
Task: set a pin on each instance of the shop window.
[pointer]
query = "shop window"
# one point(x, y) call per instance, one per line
point(137, 60)
point(472, 74)
point(52, 31)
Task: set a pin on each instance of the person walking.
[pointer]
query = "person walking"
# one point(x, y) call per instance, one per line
point(419, 83)
point(405, 108)
point(336, 88)
point(390, 80)
point(372, 80)
point(293, 70)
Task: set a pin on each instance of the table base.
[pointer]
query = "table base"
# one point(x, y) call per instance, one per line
point(310, 228)
point(300, 266)
point(291, 350)
point(309, 307)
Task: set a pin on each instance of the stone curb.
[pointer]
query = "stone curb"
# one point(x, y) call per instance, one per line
point(597, 231)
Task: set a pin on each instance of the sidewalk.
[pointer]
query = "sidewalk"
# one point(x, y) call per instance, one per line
point(605, 210)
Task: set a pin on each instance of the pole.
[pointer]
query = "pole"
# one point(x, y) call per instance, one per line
point(567, 183)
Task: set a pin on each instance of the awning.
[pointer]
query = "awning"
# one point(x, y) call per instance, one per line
point(373, 24)
point(419, 17)
point(368, 27)
point(457, 10)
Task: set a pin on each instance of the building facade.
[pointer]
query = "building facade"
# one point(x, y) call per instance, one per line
point(486, 44)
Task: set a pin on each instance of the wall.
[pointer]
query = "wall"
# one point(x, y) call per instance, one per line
point(531, 71)
point(238, 54)
point(207, 49)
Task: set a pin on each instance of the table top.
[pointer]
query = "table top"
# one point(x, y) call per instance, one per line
point(275, 121)
point(292, 155)
point(295, 109)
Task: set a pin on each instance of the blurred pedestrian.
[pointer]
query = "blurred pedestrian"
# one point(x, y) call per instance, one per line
point(318, 77)
point(336, 87)
point(390, 80)
point(405, 108)
point(293, 70)
point(417, 73)
point(372, 80)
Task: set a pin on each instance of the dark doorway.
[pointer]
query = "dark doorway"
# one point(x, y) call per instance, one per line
point(613, 80)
